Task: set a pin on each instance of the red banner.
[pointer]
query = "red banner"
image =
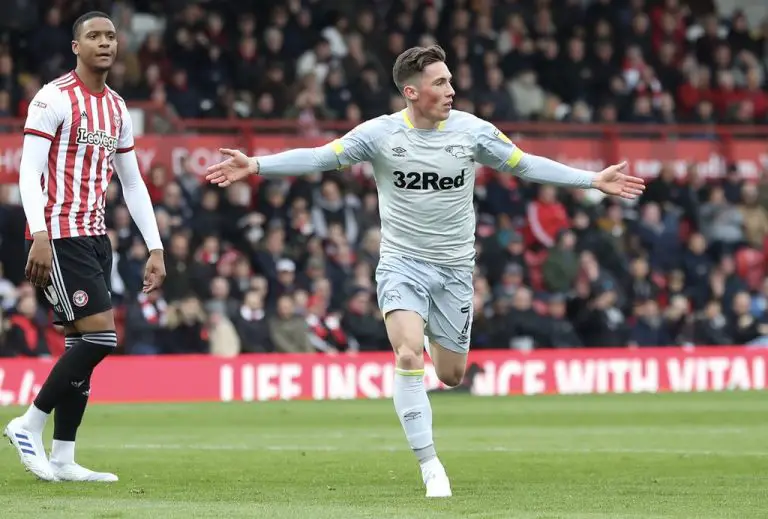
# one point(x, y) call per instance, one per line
point(644, 155)
point(198, 378)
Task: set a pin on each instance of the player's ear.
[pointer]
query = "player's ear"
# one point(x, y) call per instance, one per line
point(75, 46)
point(410, 93)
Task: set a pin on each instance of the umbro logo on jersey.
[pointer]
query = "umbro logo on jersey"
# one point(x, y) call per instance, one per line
point(399, 152)
point(84, 115)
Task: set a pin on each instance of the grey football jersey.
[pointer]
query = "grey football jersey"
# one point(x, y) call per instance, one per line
point(426, 179)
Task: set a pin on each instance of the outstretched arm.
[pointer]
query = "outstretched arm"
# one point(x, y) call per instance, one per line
point(494, 149)
point(356, 146)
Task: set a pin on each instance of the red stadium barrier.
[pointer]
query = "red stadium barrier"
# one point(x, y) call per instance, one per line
point(645, 155)
point(199, 378)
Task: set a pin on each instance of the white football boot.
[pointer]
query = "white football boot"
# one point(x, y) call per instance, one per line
point(29, 445)
point(435, 479)
point(74, 472)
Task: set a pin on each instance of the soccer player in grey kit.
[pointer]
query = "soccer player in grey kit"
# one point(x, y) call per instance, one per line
point(424, 164)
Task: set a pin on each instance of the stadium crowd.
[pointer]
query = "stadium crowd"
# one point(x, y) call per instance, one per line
point(288, 266)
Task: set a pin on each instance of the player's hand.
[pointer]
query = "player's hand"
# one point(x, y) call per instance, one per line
point(613, 181)
point(236, 167)
point(38, 270)
point(154, 273)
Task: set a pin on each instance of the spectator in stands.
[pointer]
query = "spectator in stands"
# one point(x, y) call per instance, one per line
point(527, 96)
point(146, 319)
point(641, 285)
point(185, 322)
point(561, 266)
point(660, 236)
point(755, 217)
point(722, 223)
point(711, 326)
point(546, 216)
point(8, 292)
point(603, 324)
point(221, 301)
point(24, 335)
point(252, 324)
point(525, 329)
point(677, 320)
point(287, 331)
point(560, 332)
point(333, 207)
point(650, 328)
point(742, 325)
point(733, 184)
point(9, 82)
point(5, 109)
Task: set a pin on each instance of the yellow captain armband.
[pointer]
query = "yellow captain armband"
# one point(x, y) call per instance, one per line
point(337, 147)
point(514, 158)
point(501, 136)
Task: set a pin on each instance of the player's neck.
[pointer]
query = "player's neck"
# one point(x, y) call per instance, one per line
point(420, 122)
point(95, 82)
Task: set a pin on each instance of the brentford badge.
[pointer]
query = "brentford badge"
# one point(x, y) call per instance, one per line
point(80, 298)
point(118, 122)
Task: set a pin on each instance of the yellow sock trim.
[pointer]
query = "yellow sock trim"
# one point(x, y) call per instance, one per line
point(409, 372)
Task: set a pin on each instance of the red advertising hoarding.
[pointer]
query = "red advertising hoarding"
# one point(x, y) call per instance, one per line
point(643, 155)
point(201, 378)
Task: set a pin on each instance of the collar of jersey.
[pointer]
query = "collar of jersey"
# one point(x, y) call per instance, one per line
point(409, 124)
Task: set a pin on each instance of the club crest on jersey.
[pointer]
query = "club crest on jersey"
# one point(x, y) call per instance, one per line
point(98, 138)
point(80, 298)
point(458, 151)
point(117, 120)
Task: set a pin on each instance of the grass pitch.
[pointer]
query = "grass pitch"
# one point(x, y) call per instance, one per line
point(686, 456)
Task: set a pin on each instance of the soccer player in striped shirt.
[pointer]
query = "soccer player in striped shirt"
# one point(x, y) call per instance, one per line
point(424, 163)
point(76, 130)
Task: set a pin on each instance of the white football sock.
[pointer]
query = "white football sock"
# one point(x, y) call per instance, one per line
point(63, 452)
point(35, 419)
point(415, 412)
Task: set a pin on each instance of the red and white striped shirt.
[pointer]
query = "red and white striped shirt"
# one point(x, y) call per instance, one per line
point(86, 129)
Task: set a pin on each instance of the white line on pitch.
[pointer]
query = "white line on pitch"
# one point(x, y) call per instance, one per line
point(384, 448)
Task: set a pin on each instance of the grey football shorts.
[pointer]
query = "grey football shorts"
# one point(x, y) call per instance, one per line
point(442, 296)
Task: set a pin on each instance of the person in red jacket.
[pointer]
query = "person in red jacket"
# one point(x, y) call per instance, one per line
point(547, 216)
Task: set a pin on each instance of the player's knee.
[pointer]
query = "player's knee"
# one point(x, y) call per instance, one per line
point(451, 376)
point(408, 357)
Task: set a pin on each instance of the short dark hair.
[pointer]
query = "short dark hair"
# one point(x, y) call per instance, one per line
point(413, 61)
point(90, 15)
